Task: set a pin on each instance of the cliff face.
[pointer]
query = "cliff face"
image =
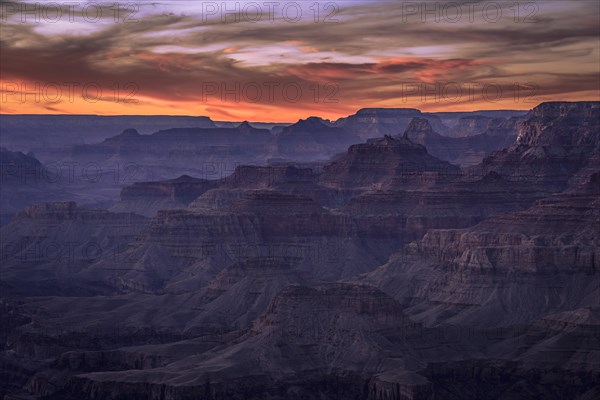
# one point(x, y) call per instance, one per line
point(25, 181)
point(349, 340)
point(471, 126)
point(211, 153)
point(148, 197)
point(557, 233)
point(555, 142)
point(267, 202)
point(466, 150)
point(490, 125)
point(563, 124)
point(57, 240)
point(178, 242)
point(512, 267)
point(545, 257)
point(381, 161)
point(436, 203)
point(370, 123)
point(257, 177)
point(302, 337)
point(312, 139)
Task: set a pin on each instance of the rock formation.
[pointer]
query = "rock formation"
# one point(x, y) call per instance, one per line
point(371, 123)
point(384, 273)
point(556, 141)
point(58, 240)
point(312, 139)
point(147, 198)
point(381, 162)
point(464, 151)
point(26, 181)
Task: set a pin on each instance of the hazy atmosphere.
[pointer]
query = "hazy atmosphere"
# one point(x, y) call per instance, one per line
point(300, 200)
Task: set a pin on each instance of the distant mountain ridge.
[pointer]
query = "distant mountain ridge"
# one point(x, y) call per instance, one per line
point(464, 151)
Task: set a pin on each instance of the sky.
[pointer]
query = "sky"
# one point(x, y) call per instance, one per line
point(283, 60)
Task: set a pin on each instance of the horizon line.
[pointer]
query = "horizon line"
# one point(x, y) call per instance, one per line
point(309, 116)
point(272, 122)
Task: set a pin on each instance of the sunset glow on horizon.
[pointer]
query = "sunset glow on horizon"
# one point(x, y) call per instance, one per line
point(282, 61)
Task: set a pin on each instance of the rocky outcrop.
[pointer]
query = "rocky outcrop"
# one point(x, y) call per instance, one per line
point(57, 240)
point(211, 153)
point(490, 125)
point(370, 123)
point(381, 162)
point(553, 144)
point(178, 242)
point(217, 199)
point(312, 139)
point(464, 124)
point(355, 299)
point(304, 333)
point(558, 233)
point(283, 178)
point(470, 126)
point(544, 257)
point(25, 181)
point(148, 197)
point(246, 288)
point(433, 203)
point(261, 177)
point(464, 151)
point(17, 167)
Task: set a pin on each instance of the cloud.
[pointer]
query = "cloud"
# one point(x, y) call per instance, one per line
point(175, 57)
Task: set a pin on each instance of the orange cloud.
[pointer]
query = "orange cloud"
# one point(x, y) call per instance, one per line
point(360, 61)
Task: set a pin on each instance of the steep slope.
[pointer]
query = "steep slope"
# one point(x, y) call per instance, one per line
point(509, 269)
point(147, 198)
point(231, 301)
point(210, 153)
point(46, 245)
point(25, 181)
point(311, 139)
point(167, 142)
point(40, 133)
point(370, 123)
point(435, 203)
point(191, 246)
point(464, 151)
point(476, 124)
point(300, 349)
point(553, 144)
point(150, 197)
point(382, 162)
